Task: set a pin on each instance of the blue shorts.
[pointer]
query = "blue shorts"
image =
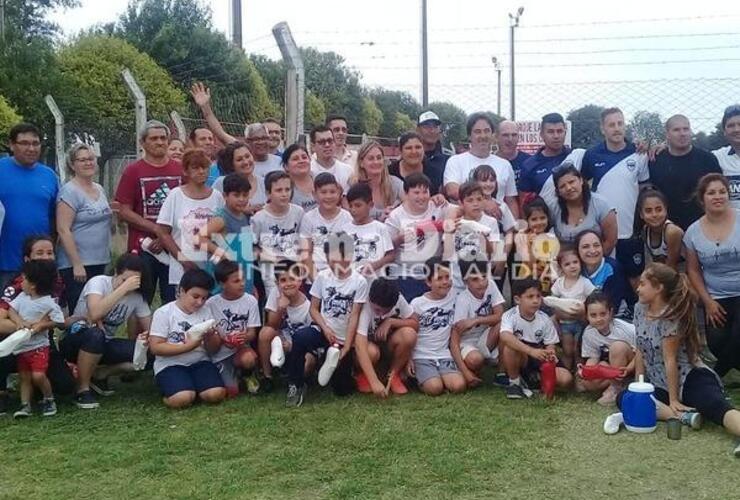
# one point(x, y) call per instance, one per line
point(572, 328)
point(198, 377)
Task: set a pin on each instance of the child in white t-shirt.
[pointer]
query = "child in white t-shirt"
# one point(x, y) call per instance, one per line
point(385, 319)
point(373, 248)
point(432, 363)
point(337, 296)
point(36, 310)
point(478, 311)
point(606, 341)
point(237, 319)
point(182, 368)
point(571, 284)
point(528, 338)
point(287, 310)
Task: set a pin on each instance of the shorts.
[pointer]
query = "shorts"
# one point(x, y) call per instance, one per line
point(35, 361)
point(572, 328)
point(229, 375)
point(478, 344)
point(630, 253)
point(198, 377)
point(429, 368)
point(604, 353)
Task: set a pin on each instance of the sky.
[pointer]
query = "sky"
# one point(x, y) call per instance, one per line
point(568, 53)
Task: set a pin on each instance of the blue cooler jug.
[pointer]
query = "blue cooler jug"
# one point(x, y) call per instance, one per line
point(638, 407)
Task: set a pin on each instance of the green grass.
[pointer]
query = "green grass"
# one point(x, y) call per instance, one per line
point(476, 445)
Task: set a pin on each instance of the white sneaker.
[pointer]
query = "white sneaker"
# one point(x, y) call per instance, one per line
point(612, 423)
point(277, 354)
point(330, 364)
point(197, 331)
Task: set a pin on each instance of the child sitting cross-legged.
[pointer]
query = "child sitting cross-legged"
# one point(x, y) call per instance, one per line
point(528, 338)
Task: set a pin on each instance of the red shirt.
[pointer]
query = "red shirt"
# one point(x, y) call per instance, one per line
point(144, 188)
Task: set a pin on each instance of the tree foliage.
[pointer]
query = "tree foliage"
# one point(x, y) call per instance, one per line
point(646, 126)
point(586, 126)
point(453, 120)
point(28, 17)
point(394, 103)
point(8, 118)
point(712, 141)
point(371, 117)
point(315, 111)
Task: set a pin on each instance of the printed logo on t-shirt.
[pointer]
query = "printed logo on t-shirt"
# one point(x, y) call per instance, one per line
point(154, 191)
point(631, 165)
point(436, 318)
point(115, 316)
point(486, 307)
point(365, 247)
point(178, 337)
point(191, 225)
point(336, 304)
point(280, 240)
point(232, 321)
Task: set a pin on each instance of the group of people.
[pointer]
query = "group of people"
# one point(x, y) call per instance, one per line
point(334, 264)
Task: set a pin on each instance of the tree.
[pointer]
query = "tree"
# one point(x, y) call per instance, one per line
point(712, 141)
point(646, 126)
point(402, 123)
point(315, 111)
point(453, 120)
point(8, 118)
point(28, 17)
point(371, 117)
point(394, 103)
point(273, 74)
point(98, 102)
point(586, 126)
point(179, 36)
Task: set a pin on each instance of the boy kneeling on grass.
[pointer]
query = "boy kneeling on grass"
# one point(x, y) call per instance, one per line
point(528, 338)
point(432, 364)
point(475, 331)
point(386, 320)
point(337, 296)
point(182, 368)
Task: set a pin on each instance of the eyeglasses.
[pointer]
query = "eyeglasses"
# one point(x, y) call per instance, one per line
point(258, 139)
point(85, 160)
point(29, 144)
point(325, 142)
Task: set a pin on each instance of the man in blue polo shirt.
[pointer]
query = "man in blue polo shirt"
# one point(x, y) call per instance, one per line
point(616, 170)
point(536, 173)
point(508, 148)
point(28, 192)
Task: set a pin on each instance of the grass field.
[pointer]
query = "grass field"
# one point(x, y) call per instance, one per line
point(476, 445)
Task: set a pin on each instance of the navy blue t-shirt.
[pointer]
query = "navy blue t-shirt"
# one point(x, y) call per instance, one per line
point(598, 160)
point(538, 168)
point(517, 164)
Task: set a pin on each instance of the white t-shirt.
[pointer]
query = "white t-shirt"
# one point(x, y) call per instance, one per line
point(581, 289)
point(296, 317)
point(338, 297)
point(508, 222)
point(412, 254)
point(233, 316)
point(170, 322)
point(369, 321)
point(132, 303)
point(372, 241)
point(32, 310)
point(593, 341)
point(468, 306)
point(435, 324)
point(730, 165)
point(187, 218)
point(277, 236)
point(538, 331)
point(459, 168)
point(470, 244)
point(316, 228)
point(273, 163)
point(341, 172)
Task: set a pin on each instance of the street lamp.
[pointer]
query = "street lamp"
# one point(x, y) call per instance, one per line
point(497, 67)
point(513, 24)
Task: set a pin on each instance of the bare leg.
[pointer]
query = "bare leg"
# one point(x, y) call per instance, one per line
point(264, 340)
point(86, 365)
point(402, 344)
point(26, 387)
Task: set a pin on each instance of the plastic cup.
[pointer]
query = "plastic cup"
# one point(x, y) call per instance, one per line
point(674, 428)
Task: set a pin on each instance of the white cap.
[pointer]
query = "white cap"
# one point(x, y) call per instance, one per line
point(429, 116)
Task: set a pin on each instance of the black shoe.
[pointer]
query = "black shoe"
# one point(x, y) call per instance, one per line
point(101, 387)
point(267, 385)
point(514, 391)
point(4, 403)
point(86, 400)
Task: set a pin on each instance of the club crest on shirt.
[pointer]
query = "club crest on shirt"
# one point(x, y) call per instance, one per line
point(337, 304)
point(631, 165)
point(279, 239)
point(436, 318)
point(365, 247)
point(178, 337)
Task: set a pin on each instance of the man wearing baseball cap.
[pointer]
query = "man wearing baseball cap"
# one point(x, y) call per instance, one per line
point(429, 127)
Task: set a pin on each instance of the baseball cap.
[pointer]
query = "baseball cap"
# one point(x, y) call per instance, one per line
point(429, 116)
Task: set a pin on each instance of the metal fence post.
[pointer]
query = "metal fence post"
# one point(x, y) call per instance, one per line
point(58, 136)
point(140, 106)
point(294, 83)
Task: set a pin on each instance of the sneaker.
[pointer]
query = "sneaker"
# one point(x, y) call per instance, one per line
point(49, 407)
point(24, 411)
point(501, 380)
point(330, 364)
point(266, 385)
point(277, 353)
point(528, 393)
point(101, 387)
point(4, 403)
point(363, 384)
point(295, 396)
point(86, 400)
point(736, 452)
point(397, 386)
point(692, 419)
point(253, 385)
point(515, 391)
point(612, 423)
point(609, 396)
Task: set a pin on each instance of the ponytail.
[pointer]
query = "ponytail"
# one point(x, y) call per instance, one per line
point(681, 305)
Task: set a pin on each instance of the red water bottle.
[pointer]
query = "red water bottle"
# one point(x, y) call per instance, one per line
point(429, 226)
point(600, 372)
point(547, 378)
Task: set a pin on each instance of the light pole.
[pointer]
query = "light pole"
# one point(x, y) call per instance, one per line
point(424, 57)
point(513, 24)
point(497, 67)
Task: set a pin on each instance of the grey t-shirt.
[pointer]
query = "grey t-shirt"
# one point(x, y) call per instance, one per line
point(132, 303)
point(720, 262)
point(32, 310)
point(378, 210)
point(91, 228)
point(649, 335)
point(271, 164)
point(598, 209)
point(304, 200)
